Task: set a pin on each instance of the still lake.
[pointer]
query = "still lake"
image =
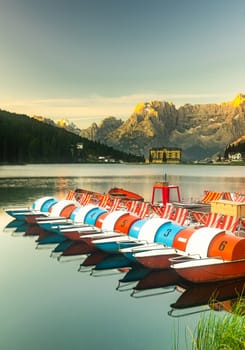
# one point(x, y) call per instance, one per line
point(47, 303)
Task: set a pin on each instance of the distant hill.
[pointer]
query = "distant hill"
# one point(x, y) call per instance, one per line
point(200, 130)
point(27, 140)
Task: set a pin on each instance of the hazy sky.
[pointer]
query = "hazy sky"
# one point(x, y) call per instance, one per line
point(87, 59)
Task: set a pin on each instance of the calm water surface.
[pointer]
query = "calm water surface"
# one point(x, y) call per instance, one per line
point(48, 304)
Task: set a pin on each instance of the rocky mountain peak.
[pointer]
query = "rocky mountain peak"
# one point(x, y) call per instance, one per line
point(200, 130)
point(239, 100)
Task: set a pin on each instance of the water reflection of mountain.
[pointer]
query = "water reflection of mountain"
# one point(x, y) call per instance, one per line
point(135, 278)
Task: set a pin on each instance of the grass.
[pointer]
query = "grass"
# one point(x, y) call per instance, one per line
point(221, 332)
point(218, 331)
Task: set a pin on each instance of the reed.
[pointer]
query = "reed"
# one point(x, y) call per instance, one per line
point(224, 331)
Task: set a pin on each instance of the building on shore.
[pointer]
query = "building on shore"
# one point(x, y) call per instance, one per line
point(165, 155)
point(236, 156)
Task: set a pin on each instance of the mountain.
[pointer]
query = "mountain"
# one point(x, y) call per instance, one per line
point(28, 140)
point(200, 130)
point(62, 123)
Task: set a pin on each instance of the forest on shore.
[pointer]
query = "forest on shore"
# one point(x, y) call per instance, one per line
point(26, 140)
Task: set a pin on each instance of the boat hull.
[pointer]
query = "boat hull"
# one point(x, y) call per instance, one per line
point(124, 194)
point(158, 279)
point(160, 261)
point(114, 246)
point(91, 239)
point(76, 235)
point(31, 218)
point(113, 261)
point(212, 272)
point(94, 258)
point(78, 248)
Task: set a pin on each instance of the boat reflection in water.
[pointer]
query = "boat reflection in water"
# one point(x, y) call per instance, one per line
point(112, 262)
point(76, 249)
point(92, 259)
point(61, 247)
point(218, 296)
point(14, 224)
point(46, 238)
point(156, 279)
point(132, 275)
point(139, 280)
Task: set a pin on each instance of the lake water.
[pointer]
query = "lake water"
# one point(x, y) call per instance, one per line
point(47, 303)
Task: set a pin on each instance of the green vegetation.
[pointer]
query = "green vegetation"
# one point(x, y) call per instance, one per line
point(26, 140)
point(217, 331)
point(221, 332)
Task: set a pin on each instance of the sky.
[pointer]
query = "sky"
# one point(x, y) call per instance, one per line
point(84, 60)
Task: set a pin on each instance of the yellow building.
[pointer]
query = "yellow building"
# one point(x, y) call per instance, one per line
point(169, 155)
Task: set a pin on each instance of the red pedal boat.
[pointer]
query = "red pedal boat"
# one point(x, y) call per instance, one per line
point(125, 194)
point(210, 270)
